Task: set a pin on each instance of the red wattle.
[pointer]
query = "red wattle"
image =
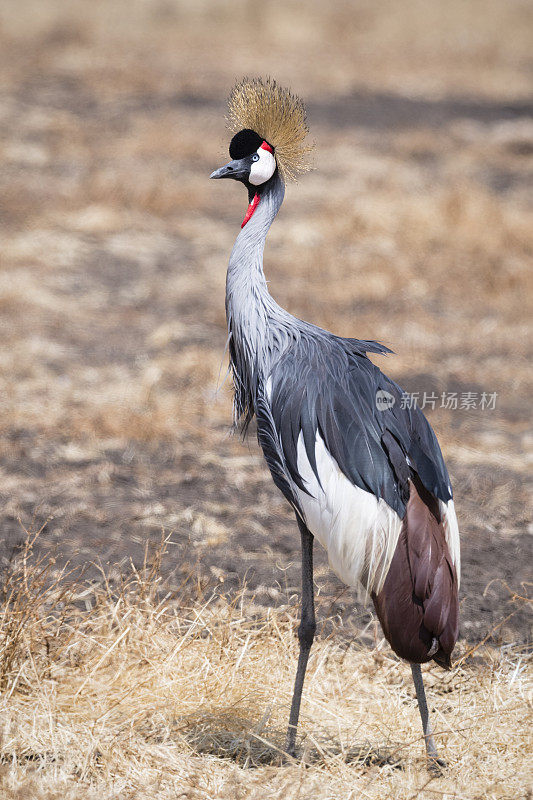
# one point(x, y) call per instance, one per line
point(266, 146)
point(251, 208)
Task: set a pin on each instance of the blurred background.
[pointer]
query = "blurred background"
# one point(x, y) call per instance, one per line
point(414, 228)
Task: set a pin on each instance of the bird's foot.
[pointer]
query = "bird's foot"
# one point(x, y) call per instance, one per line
point(289, 753)
point(285, 757)
point(436, 765)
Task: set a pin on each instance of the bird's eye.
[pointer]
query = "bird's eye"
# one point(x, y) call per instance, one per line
point(255, 157)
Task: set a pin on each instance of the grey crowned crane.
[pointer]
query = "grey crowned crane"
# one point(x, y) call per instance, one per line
point(366, 478)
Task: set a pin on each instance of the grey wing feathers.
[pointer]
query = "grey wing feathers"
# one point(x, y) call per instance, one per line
point(328, 386)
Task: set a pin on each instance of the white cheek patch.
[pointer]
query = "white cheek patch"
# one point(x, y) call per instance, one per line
point(263, 169)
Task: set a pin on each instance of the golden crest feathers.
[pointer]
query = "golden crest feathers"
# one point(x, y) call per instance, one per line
point(278, 116)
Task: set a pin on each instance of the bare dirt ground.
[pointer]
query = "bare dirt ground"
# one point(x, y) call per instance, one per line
point(415, 229)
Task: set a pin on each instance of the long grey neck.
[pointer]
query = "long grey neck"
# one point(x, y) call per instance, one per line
point(249, 305)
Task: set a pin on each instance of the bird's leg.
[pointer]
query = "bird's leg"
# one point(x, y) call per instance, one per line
point(434, 762)
point(306, 633)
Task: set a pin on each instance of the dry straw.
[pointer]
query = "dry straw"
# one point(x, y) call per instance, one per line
point(278, 116)
point(120, 688)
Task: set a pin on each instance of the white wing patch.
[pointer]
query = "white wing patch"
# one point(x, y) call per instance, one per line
point(451, 531)
point(358, 530)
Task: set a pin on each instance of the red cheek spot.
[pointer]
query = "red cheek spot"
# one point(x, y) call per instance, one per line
point(251, 208)
point(266, 146)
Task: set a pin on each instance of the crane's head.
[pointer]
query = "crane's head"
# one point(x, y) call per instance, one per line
point(270, 124)
point(253, 160)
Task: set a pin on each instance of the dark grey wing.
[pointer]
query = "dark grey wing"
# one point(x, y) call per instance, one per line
point(269, 440)
point(328, 386)
point(425, 456)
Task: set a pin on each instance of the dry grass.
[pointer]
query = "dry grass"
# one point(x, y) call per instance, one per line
point(117, 689)
point(414, 229)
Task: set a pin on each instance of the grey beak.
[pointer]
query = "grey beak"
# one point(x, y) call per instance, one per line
point(219, 173)
point(235, 169)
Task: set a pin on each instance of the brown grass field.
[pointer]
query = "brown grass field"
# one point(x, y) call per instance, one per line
point(147, 633)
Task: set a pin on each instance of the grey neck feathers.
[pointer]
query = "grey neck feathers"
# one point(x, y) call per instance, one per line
point(257, 325)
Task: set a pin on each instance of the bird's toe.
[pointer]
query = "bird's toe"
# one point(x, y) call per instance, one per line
point(436, 765)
